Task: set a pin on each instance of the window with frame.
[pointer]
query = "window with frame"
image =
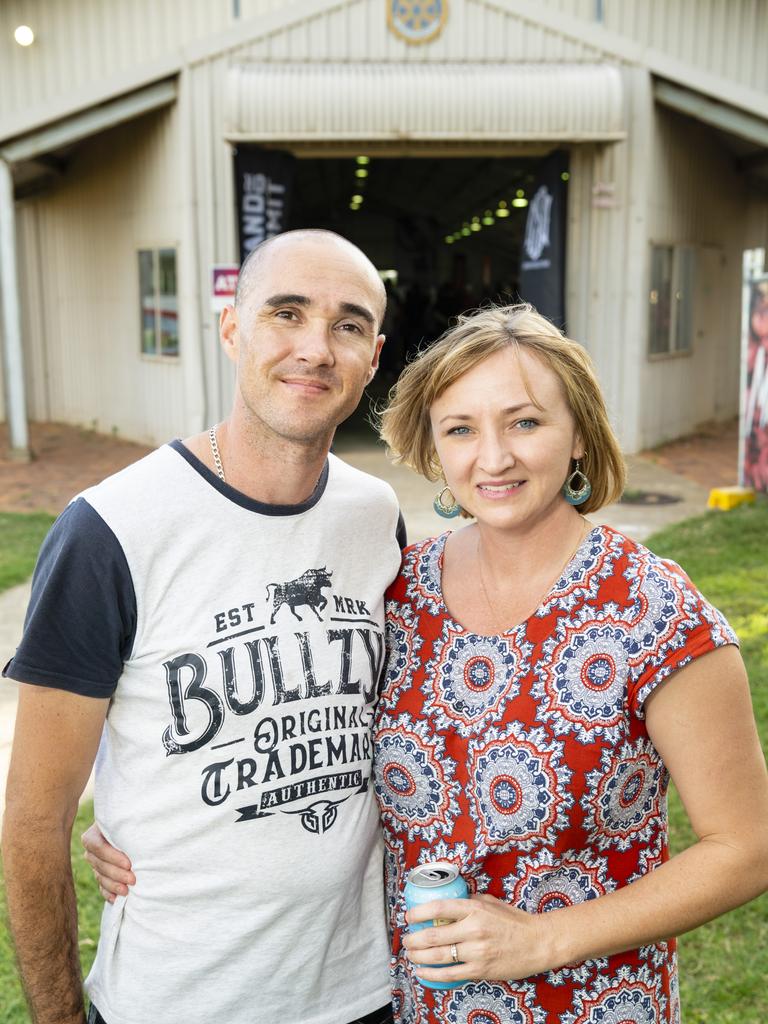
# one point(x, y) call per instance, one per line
point(670, 312)
point(159, 302)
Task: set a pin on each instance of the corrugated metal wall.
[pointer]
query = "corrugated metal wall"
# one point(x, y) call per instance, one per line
point(79, 42)
point(81, 291)
point(722, 37)
point(474, 32)
point(698, 199)
point(467, 102)
point(606, 244)
point(84, 42)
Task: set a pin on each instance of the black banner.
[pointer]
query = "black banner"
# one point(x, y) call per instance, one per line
point(542, 264)
point(263, 186)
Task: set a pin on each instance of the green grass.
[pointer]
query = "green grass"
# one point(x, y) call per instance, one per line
point(21, 535)
point(723, 966)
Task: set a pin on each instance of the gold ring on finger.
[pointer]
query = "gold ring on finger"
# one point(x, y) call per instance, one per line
point(454, 953)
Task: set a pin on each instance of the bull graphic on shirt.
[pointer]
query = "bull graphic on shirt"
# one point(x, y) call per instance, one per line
point(320, 816)
point(306, 590)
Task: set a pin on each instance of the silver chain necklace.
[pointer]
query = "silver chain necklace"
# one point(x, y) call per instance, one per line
point(216, 455)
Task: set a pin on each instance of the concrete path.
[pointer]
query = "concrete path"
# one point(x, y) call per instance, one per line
point(415, 496)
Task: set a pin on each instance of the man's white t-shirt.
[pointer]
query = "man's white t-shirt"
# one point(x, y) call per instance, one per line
point(241, 645)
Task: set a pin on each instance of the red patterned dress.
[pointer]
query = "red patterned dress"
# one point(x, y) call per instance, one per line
point(524, 758)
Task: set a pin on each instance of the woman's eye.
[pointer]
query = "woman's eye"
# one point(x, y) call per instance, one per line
point(527, 424)
point(458, 430)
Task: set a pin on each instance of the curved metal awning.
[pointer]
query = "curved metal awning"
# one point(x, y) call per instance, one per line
point(427, 102)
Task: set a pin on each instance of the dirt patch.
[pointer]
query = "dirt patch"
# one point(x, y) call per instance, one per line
point(710, 457)
point(65, 461)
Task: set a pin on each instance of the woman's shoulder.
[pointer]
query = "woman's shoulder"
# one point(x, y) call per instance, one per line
point(419, 580)
point(642, 559)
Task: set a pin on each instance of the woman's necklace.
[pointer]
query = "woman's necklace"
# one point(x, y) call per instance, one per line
point(586, 527)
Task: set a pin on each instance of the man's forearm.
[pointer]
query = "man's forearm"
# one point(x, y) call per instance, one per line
point(43, 915)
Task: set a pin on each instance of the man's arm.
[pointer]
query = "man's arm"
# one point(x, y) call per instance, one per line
point(55, 743)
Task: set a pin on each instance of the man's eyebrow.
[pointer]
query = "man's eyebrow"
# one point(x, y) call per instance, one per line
point(287, 299)
point(354, 310)
point(347, 308)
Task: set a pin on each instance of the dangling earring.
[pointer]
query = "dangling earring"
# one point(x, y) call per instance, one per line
point(577, 487)
point(447, 509)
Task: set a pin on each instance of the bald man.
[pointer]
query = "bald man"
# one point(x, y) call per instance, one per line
point(210, 622)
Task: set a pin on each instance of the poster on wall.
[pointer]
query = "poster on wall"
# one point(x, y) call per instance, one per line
point(542, 263)
point(263, 187)
point(753, 449)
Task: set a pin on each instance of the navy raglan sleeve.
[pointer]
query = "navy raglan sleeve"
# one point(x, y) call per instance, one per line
point(81, 620)
point(400, 532)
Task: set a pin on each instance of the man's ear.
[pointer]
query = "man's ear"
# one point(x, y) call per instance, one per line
point(376, 354)
point(229, 333)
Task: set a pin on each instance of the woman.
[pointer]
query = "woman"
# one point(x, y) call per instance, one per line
point(545, 678)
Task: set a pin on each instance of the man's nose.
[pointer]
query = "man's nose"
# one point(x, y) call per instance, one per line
point(313, 343)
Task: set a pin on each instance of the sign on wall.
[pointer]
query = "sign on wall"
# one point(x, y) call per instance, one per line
point(542, 264)
point(417, 21)
point(753, 431)
point(263, 186)
point(223, 285)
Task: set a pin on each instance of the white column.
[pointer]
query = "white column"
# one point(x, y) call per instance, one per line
point(13, 358)
point(190, 327)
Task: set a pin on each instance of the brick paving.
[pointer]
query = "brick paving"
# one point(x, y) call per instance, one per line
point(68, 459)
point(709, 457)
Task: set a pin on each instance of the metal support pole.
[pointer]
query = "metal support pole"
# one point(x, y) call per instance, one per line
point(191, 334)
point(13, 359)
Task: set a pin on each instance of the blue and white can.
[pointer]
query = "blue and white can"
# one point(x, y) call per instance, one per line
point(437, 880)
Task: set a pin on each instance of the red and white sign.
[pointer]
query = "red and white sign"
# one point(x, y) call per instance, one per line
point(223, 285)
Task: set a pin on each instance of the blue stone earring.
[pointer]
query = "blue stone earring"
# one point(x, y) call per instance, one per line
point(577, 487)
point(447, 509)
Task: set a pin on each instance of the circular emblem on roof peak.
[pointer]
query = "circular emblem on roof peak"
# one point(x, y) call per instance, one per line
point(417, 21)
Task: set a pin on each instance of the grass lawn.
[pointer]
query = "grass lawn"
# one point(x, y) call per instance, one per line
point(724, 964)
point(21, 535)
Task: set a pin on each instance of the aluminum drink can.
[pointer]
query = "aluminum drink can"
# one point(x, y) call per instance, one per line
point(437, 880)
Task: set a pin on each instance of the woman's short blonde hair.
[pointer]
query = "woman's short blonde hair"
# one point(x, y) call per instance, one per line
point(405, 425)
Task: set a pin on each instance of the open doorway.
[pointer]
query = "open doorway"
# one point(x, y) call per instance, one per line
point(445, 233)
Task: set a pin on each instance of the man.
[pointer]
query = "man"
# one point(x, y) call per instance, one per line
point(211, 620)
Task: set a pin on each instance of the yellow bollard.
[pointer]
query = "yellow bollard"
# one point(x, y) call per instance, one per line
point(726, 498)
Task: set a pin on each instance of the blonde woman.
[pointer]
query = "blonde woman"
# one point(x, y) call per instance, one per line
point(546, 678)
